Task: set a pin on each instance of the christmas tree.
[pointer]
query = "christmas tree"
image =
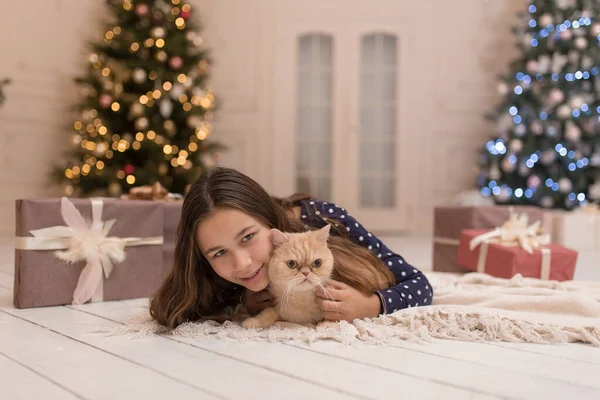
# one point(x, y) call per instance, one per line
point(547, 148)
point(145, 113)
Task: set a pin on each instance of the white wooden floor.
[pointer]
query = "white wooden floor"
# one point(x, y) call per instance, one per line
point(54, 353)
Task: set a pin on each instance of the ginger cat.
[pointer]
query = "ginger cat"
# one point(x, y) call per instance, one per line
point(303, 262)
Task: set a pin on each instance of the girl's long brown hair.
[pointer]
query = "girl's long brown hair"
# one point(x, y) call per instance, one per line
point(193, 290)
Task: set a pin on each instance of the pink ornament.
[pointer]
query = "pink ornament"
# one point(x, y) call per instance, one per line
point(534, 181)
point(566, 35)
point(185, 15)
point(545, 20)
point(557, 96)
point(141, 9)
point(105, 101)
point(176, 62)
point(532, 66)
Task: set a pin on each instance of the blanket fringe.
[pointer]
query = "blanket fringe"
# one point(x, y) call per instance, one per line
point(417, 326)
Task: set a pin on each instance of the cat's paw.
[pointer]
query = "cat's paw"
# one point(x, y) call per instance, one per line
point(253, 323)
point(328, 325)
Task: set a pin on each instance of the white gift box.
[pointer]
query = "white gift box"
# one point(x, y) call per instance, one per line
point(579, 229)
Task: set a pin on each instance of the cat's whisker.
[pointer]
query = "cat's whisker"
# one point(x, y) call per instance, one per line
point(327, 294)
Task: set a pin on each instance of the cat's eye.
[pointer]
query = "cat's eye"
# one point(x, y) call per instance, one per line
point(292, 264)
point(317, 263)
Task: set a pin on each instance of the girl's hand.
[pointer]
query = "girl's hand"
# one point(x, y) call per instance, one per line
point(341, 302)
point(255, 302)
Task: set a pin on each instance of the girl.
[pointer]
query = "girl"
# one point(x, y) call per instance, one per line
point(223, 246)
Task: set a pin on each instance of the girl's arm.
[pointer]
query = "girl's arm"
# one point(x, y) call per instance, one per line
point(412, 287)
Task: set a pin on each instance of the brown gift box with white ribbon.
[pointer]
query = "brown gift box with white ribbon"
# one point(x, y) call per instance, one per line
point(74, 251)
point(548, 262)
point(450, 221)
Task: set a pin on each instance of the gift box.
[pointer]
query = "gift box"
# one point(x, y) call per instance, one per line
point(172, 215)
point(578, 229)
point(549, 262)
point(450, 221)
point(74, 251)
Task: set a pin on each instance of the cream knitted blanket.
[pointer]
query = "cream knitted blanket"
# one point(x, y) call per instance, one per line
point(472, 307)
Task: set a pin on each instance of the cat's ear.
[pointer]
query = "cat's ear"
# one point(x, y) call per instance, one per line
point(277, 237)
point(323, 233)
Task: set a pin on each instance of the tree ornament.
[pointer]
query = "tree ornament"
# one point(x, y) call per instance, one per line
point(105, 100)
point(176, 62)
point(572, 131)
point(139, 75)
point(534, 181)
point(141, 123)
point(166, 108)
point(565, 185)
point(158, 32)
point(581, 43)
point(141, 9)
point(545, 20)
point(547, 202)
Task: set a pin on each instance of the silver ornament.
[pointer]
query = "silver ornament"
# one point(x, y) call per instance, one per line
point(572, 131)
point(520, 130)
point(137, 109)
point(548, 157)
point(576, 102)
point(581, 43)
point(545, 20)
point(563, 111)
point(515, 145)
point(166, 108)
point(158, 32)
point(139, 75)
point(141, 123)
point(547, 202)
point(565, 185)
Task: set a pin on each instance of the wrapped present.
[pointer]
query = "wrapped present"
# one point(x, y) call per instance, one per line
point(64, 254)
point(516, 248)
point(578, 229)
point(450, 221)
point(171, 204)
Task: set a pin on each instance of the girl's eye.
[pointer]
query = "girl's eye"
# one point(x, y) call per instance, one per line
point(248, 237)
point(219, 253)
point(317, 263)
point(291, 264)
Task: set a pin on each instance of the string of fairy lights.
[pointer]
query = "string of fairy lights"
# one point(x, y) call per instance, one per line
point(95, 137)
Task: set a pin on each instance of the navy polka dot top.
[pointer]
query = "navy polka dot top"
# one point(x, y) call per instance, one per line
point(412, 288)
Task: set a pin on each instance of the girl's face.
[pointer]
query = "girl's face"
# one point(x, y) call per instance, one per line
point(237, 246)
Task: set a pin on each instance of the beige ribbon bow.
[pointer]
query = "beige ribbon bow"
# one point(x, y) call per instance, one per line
point(515, 232)
point(87, 241)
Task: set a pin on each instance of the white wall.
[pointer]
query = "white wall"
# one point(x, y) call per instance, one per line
point(42, 48)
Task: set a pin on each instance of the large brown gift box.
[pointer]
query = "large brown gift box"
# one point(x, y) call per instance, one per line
point(449, 221)
point(502, 261)
point(44, 279)
point(172, 215)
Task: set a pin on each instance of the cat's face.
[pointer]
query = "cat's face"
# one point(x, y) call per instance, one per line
point(300, 261)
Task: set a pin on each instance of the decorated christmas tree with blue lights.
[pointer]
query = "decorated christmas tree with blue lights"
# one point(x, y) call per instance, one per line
point(546, 150)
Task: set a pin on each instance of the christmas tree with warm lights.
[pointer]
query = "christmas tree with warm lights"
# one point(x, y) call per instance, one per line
point(547, 148)
point(146, 114)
